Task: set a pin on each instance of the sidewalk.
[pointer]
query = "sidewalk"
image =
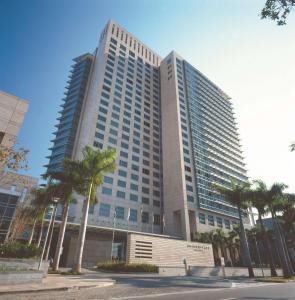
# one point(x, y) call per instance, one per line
point(55, 282)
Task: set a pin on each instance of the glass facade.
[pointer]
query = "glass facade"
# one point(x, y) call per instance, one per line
point(70, 114)
point(209, 131)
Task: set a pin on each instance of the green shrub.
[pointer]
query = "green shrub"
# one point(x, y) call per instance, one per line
point(18, 250)
point(125, 267)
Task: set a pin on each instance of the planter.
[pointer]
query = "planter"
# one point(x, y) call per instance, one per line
point(20, 277)
point(19, 263)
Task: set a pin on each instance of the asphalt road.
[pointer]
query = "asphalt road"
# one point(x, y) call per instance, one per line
point(164, 288)
point(284, 291)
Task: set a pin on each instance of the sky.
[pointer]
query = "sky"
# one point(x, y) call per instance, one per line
point(251, 59)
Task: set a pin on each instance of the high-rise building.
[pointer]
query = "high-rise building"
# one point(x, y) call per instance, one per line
point(173, 129)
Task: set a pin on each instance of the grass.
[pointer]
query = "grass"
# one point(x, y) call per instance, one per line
point(278, 279)
point(127, 267)
point(64, 272)
point(6, 269)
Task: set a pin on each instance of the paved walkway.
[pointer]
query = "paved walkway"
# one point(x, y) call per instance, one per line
point(60, 283)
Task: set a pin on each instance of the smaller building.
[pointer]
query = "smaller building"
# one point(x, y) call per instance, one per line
point(12, 114)
point(104, 244)
point(15, 190)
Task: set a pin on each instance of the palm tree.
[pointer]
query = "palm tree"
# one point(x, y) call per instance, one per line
point(90, 174)
point(220, 240)
point(66, 182)
point(274, 197)
point(208, 237)
point(43, 197)
point(258, 199)
point(235, 195)
point(230, 242)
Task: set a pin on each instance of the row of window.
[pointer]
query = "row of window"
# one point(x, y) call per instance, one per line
point(219, 222)
point(121, 212)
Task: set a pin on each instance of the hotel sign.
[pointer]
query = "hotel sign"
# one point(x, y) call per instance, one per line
point(199, 247)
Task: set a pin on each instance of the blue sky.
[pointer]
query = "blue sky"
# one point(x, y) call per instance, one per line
point(251, 59)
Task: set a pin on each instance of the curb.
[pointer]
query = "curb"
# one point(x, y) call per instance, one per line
point(63, 288)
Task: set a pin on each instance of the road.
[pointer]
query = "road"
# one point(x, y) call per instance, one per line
point(164, 288)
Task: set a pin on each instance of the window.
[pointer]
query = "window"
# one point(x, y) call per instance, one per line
point(219, 222)
point(145, 217)
point(106, 191)
point(145, 200)
point(134, 187)
point(124, 154)
point(210, 220)
point(157, 219)
point(100, 126)
point(99, 135)
point(202, 219)
point(121, 183)
point(113, 132)
point(91, 209)
point(134, 177)
point(190, 198)
point(108, 180)
point(112, 141)
point(133, 215)
point(133, 197)
point(123, 163)
point(120, 194)
point(119, 212)
point(227, 224)
point(122, 173)
point(104, 210)
point(145, 190)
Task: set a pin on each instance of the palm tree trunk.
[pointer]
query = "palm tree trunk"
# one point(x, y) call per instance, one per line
point(273, 271)
point(244, 245)
point(82, 233)
point(32, 232)
point(41, 229)
point(61, 236)
point(287, 271)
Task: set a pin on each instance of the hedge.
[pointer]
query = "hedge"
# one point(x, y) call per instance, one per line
point(127, 267)
point(18, 250)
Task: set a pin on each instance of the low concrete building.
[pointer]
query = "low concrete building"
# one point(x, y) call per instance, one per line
point(103, 244)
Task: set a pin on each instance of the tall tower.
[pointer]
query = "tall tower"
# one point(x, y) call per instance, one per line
point(173, 129)
point(201, 148)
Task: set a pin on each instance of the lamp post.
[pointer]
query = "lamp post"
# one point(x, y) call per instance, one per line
point(54, 200)
point(113, 235)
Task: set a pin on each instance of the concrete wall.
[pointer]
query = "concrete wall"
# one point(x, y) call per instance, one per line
point(163, 251)
point(217, 271)
point(30, 264)
point(174, 187)
point(20, 277)
point(12, 113)
point(97, 248)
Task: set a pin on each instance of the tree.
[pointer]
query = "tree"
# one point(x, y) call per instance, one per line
point(277, 10)
point(67, 179)
point(90, 174)
point(208, 237)
point(274, 197)
point(231, 244)
point(220, 239)
point(235, 195)
point(43, 198)
point(22, 216)
point(258, 198)
point(12, 160)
